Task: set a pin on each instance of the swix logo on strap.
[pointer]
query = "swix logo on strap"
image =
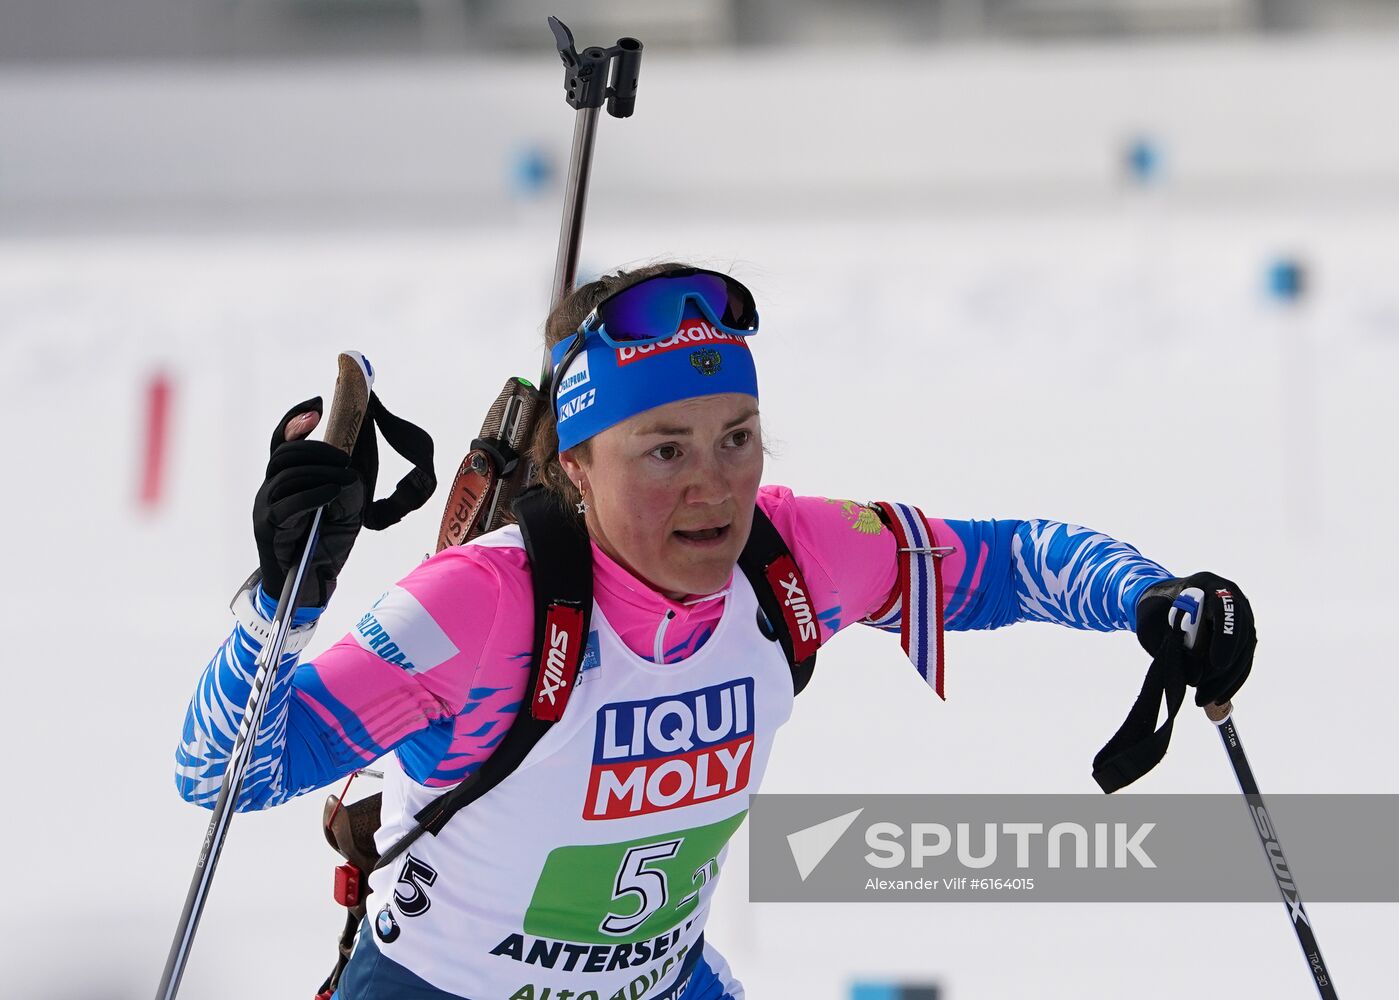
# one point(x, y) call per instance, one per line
point(671, 751)
point(563, 643)
point(787, 583)
point(691, 333)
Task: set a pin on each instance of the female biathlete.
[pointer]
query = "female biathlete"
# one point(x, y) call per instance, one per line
point(586, 874)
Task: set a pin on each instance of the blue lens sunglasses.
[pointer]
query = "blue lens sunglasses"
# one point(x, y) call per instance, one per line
point(651, 311)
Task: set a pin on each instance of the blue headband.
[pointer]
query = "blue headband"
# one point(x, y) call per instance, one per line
point(604, 385)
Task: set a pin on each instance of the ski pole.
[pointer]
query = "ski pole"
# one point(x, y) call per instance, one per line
point(1223, 718)
point(348, 407)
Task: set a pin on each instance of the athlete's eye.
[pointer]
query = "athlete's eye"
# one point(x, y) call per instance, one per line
point(666, 452)
point(740, 437)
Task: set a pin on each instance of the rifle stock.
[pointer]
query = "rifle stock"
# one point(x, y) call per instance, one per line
point(495, 470)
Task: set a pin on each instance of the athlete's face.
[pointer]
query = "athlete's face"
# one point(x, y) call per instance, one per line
point(671, 491)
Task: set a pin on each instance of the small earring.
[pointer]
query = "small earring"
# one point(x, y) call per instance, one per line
point(582, 505)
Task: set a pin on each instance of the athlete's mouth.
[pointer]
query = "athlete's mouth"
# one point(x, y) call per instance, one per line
point(704, 534)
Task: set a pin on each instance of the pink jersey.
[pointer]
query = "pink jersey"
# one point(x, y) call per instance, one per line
point(436, 670)
point(478, 598)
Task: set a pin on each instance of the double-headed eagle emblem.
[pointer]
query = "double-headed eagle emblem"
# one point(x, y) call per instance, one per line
point(706, 360)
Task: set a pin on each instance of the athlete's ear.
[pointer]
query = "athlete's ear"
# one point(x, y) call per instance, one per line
point(573, 468)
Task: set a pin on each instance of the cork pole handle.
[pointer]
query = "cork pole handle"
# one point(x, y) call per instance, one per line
point(1219, 714)
point(350, 402)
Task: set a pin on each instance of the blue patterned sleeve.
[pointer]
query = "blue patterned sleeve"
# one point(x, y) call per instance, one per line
point(280, 767)
point(1044, 571)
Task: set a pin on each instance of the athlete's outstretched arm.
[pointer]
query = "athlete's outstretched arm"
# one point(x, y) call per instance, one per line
point(1044, 571)
point(1003, 571)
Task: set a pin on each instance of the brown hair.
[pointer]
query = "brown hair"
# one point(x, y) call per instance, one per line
point(562, 322)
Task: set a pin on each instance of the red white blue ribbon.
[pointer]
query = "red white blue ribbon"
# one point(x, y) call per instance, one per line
point(915, 609)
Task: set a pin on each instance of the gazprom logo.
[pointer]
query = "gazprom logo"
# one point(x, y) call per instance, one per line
point(378, 639)
point(577, 377)
point(399, 630)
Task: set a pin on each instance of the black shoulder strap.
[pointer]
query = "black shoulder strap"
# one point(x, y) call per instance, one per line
point(788, 616)
point(561, 573)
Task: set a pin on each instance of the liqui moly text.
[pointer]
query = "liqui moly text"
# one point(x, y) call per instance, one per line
point(669, 752)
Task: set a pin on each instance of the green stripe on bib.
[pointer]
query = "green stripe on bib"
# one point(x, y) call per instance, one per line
point(620, 893)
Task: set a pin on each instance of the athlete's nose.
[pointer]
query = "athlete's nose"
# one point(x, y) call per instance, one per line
point(707, 485)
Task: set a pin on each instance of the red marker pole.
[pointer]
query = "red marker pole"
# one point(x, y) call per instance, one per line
point(157, 432)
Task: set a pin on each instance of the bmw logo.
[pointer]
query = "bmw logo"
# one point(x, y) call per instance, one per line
point(385, 926)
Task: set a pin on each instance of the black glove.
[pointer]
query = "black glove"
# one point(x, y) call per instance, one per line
point(301, 476)
point(1219, 661)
